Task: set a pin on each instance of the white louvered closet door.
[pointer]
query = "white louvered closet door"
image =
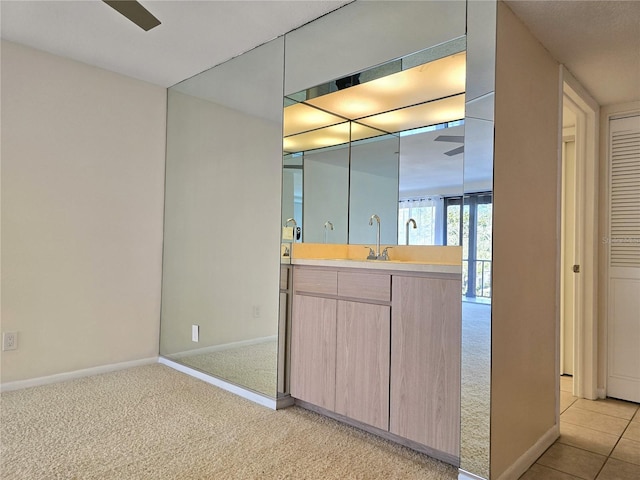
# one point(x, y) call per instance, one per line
point(623, 365)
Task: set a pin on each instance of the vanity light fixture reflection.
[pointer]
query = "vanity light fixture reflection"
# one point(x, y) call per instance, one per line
point(428, 94)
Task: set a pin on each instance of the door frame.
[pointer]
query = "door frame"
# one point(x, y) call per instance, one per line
point(587, 112)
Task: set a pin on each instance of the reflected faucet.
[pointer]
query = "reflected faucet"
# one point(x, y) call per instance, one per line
point(295, 227)
point(327, 224)
point(411, 220)
point(377, 219)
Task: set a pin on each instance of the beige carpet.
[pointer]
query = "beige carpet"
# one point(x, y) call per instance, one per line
point(155, 423)
point(251, 366)
point(475, 388)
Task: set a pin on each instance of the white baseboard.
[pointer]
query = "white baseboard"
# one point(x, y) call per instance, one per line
point(271, 403)
point(464, 475)
point(224, 346)
point(63, 377)
point(522, 464)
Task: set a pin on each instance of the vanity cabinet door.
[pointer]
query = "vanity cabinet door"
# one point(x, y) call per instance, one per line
point(313, 350)
point(425, 362)
point(362, 362)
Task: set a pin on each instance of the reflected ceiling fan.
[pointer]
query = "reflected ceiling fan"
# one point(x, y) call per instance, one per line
point(452, 139)
point(135, 12)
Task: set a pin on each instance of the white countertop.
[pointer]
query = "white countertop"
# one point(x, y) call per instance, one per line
point(379, 265)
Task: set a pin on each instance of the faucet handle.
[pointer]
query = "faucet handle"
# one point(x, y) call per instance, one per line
point(372, 254)
point(385, 254)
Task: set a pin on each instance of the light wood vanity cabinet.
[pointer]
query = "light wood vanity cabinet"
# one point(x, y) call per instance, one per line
point(313, 350)
point(382, 349)
point(362, 362)
point(425, 362)
point(340, 342)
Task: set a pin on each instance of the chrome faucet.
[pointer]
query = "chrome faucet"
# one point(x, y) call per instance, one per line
point(295, 227)
point(377, 219)
point(327, 224)
point(411, 220)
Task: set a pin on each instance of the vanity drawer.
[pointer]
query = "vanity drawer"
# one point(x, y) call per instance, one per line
point(366, 286)
point(310, 280)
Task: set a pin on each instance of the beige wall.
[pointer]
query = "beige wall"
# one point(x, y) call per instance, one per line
point(82, 194)
point(525, 242)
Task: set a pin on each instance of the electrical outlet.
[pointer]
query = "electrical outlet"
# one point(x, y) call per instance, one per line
point(195, 333)
point(9, 340)
point(256, 311)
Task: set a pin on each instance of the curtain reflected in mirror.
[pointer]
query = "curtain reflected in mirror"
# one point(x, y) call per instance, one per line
point(224, 152)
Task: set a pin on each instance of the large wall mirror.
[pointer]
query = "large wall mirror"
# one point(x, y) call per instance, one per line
point(384, 150)
point(453, 176)
point(386, 141)
point(476, 208)
point(221, 215)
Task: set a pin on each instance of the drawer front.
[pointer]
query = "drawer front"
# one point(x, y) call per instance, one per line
point(315, 281)
point(366, 286)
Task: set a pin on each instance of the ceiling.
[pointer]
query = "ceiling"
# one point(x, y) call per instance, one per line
point(193, 36)
point(595, 39)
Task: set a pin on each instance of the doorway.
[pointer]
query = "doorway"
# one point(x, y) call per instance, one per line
point(577, 327)
point(569, 251)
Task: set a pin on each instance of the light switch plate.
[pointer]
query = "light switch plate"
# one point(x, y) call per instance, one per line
point(195, 333)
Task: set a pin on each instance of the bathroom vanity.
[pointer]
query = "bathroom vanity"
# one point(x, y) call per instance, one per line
point(377, 345)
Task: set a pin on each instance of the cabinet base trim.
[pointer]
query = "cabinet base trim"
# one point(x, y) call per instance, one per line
point(437, 454)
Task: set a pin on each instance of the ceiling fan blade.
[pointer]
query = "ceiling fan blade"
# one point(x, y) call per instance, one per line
point(450, 138)
point(455, 151)
point(134, 12)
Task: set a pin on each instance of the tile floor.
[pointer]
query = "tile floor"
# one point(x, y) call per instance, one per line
point(598, 440)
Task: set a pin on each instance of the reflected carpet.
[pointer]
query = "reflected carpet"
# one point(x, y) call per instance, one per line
point(251, 366)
